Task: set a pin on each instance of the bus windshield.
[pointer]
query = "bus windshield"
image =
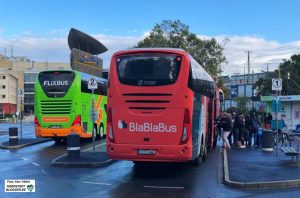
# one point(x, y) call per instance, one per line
point(56, 83)
point(148, 69)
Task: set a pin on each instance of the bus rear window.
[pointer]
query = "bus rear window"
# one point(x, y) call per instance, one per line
point(56, 83)
point(148, 69)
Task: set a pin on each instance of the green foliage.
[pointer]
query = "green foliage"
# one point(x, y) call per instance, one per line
point(242, 103)
point(175, 34)
point(289, 86)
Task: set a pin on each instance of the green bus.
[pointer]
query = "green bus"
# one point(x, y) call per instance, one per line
point(63, 105)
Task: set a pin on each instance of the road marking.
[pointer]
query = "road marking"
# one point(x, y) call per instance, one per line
point(24, 158)
point(44, 172)
point(7, 151)
point(95, 147)
point(81, 151)
point(96, 183)
point(36, 164)
point(165, 187)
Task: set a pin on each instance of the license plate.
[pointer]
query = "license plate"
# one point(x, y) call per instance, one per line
point(55, 127)
point(146, 152)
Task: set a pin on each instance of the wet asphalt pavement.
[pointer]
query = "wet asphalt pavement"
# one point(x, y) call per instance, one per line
point(120, 179)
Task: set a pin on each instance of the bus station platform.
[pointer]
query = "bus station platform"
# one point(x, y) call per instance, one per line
point(23, 143)
point(254, 168)
point(86, 159)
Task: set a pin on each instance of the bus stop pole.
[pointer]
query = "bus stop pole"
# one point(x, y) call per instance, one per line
point(21, 116)
point(276, 113)
point(93, 120)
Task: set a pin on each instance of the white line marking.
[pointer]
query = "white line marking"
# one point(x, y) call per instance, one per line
point(44, 172)
point(97, 183)
point(24, 158)
point(36, 164)
point(81, 151)
point(165, 187)
point(7, 151)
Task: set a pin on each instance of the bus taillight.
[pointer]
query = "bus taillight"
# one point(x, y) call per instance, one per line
point(186, 132)
point(109, 126)
point(36, 122)
point(77, 121)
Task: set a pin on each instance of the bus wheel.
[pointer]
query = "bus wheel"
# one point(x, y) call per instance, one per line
point(101, 131)
point(58, 141)
point(97, 136)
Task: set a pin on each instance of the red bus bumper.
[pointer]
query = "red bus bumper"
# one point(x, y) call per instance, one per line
point(167, 153)
point(50, 133)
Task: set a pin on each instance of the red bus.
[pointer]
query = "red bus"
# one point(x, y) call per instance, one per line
point(161, 106)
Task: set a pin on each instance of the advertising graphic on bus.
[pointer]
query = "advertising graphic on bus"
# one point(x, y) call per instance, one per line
point(162, 106)
point(63, 105)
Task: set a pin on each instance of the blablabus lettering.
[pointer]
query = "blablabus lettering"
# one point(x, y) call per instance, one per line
point(150, 127)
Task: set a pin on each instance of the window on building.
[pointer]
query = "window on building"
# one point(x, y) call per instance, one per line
point(3, 87)
point(3, 77)
point(3, 96)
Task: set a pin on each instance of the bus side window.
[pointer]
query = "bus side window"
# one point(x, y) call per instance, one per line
point(190, 80)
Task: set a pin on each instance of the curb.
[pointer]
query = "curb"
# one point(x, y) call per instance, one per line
point(24, 145)
point(80, 164)
point(255, 185)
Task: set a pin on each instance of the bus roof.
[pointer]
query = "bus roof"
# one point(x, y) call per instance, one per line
point(83, 75)
point(175, 50)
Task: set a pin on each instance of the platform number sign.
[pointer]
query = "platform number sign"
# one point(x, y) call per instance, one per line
point(276, 84)
point(92, 83)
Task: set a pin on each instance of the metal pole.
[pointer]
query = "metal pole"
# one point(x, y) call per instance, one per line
point(276, 112)
point(93, 120)
point(21, 116)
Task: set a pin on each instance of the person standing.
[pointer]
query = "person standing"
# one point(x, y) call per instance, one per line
point(268, 120)
point(226, 125)
point(241, 129)
point(254, 129)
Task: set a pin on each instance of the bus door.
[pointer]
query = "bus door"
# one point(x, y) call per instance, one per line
point(196, 124)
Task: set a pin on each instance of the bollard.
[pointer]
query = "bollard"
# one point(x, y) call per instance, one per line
point(13, 136)
point(267, 143)
point(73, 145)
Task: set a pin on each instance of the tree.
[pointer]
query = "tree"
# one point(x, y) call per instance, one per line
point(174, 34)
point(290, 86)
point(242, 103)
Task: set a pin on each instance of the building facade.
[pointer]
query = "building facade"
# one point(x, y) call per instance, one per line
point(8, 94)
point(242, 85)
point(25, 72)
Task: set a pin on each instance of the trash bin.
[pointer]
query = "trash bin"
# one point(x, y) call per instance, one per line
point(267, 140)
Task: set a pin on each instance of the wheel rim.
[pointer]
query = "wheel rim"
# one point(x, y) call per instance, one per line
point(101, 132)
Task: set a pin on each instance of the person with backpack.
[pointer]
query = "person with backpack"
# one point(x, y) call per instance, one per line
point(226, 125)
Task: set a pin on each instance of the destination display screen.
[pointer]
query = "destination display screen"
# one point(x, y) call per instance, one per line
point(148, 69)
point(56, 83)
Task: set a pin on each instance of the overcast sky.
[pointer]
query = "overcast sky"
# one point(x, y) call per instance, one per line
point(38, 29)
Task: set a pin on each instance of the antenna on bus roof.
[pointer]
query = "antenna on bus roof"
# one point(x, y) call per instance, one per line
point(84, 42)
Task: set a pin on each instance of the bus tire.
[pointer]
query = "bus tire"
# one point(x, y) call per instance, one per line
point(101, 131)
point(97, 135)
point(58, 141)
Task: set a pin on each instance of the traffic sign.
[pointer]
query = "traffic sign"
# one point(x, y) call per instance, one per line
point(276, 84)
point(92, 83)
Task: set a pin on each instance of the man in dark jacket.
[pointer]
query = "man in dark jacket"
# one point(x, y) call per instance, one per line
point(226, 125)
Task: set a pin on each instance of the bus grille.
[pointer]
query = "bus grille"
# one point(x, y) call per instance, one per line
point(56, 107)
point(147, 101)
